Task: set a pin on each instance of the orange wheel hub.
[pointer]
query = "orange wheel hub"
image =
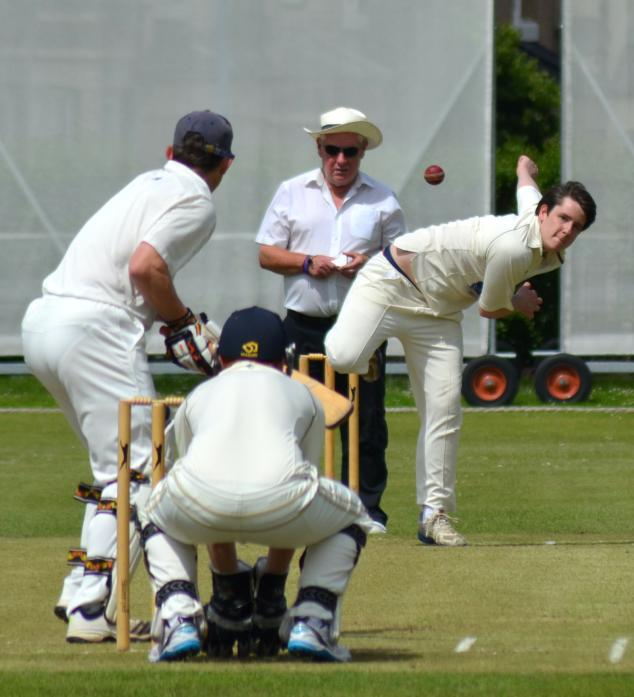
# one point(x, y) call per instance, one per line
point(489, 383)
point(563, 382)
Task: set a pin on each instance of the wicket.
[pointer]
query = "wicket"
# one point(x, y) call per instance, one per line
point(353, 421)
point(158, 407)
point(123, 496)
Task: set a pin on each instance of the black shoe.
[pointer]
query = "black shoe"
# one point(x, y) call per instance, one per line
point(378, 514)
point(60, 612)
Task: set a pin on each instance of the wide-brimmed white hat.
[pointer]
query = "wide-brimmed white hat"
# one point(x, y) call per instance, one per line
point(346, 120)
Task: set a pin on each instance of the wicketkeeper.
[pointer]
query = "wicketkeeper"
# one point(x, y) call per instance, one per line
point(249, 444)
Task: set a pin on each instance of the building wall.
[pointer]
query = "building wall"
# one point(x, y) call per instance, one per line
point(546, 13)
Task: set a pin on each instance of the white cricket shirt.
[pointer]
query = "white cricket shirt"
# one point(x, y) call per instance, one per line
point(252, 439)
point(302, 217)
point(170, 209)
point(498, 251)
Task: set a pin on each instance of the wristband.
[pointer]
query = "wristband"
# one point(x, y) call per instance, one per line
point(308, 260)
point(177, 324)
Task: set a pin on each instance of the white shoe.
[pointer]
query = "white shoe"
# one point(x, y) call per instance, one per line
point(377, 528)
point(309, 639)
point(438, 530)
point(71, 584)
point(181, 641)
point(91, 627)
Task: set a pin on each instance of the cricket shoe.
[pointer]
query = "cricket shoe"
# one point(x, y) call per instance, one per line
point(438, 530)
point(181, 642)
point(88, 625)
point(69, 588)
point(309, 639)
point(376, 528)
point(60, 612)
point(379, 519)
point(378, 514)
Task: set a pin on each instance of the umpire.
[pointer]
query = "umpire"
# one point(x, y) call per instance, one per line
point(319, 230)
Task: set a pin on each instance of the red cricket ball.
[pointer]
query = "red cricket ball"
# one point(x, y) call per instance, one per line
point(434, 174)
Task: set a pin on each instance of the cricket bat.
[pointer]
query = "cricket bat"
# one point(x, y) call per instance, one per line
point(336, 407)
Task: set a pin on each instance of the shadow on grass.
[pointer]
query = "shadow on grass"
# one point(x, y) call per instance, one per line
point(384, 656)
point(554, 543)
point(358, 656)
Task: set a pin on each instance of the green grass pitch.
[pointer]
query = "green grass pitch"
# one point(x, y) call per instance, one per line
point(540, 603)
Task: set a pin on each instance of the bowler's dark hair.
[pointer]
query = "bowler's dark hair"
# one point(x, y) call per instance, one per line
point(577, 192)
point(194, 154)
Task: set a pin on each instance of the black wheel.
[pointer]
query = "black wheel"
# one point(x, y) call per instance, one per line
point(562, 378)
point(489, 382)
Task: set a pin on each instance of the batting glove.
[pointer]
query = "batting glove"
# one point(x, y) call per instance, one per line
point(191, 343)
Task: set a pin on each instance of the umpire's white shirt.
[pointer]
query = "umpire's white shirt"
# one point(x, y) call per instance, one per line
point(302, 217)
point(170, 209)
point(249, 442)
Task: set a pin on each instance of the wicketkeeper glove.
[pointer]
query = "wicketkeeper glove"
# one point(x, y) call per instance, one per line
point(191, 341)
point(229, 613)
point(270, 609)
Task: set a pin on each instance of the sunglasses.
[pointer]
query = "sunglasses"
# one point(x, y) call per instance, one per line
point(333, 151)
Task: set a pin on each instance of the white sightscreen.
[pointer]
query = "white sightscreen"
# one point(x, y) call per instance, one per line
point(597, 316)
point(91, 90)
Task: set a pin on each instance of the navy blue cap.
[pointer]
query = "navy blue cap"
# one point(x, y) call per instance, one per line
point(214, 128)
point(253, 334)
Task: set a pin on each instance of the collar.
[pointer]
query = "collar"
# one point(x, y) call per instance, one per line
point(243, 365)
point(550, 260)
point(533, 235)
point(186, 172)
point(316, 178)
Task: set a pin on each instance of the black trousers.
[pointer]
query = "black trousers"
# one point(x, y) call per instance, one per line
point(308, 335)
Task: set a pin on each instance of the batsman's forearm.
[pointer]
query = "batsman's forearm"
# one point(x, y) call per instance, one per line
point(151, 278)
point(160, 295)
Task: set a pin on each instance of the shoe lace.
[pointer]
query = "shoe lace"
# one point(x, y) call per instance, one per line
point(443, 519)
point(322, 627)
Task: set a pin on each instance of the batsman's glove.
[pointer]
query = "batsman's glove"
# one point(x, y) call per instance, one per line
point(191, 341)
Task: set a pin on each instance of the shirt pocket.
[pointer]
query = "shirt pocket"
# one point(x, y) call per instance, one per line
point(364, 223)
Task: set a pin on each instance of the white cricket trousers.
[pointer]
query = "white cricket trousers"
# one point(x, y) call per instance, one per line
point(433, 352)
point(278, 519)
point(89, 355)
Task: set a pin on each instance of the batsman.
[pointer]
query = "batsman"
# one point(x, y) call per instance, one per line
point(84, 339)
point(249, 445)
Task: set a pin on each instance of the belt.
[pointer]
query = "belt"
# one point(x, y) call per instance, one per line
point(387, 253)
point(307, 320)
